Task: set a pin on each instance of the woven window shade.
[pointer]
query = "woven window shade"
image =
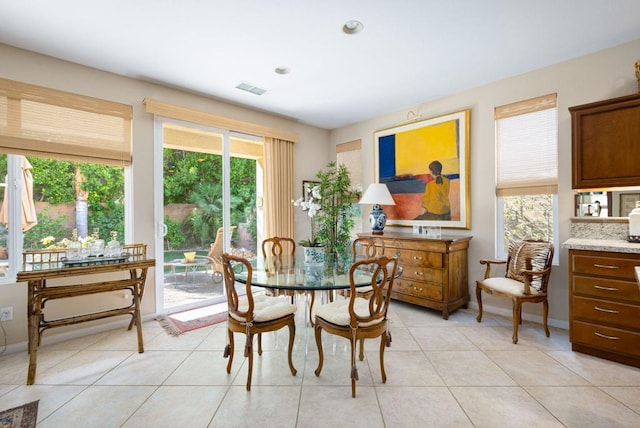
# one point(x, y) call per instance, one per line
point(527, 147)
point(38, 121)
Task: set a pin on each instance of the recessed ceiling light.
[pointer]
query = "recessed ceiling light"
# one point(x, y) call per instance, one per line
point(283, 70)
point(352, 27)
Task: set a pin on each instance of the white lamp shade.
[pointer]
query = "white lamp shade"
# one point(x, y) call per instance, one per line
point(377, 193)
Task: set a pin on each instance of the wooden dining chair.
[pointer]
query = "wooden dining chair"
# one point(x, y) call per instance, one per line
point(357, 318)
point(281, 252)
point(365, 248)
point(253, 315)
point(526, 280)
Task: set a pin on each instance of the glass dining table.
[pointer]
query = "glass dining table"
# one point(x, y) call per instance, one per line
point(290, 273)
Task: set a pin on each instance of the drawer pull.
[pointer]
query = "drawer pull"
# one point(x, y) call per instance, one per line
point(418, 258)
point(604, 336)
point(418, 289)
point(605, 266)
point(600, 287)
point(609, 311)
point(416, 273)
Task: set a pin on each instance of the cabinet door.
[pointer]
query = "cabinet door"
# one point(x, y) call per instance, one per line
point(605, 149)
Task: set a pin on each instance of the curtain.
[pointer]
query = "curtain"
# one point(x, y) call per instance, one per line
point(278, 194)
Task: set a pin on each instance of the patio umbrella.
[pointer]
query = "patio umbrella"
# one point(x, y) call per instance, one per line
point(29, 217)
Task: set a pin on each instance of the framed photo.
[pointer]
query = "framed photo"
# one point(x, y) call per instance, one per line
point(307, 185)
point(628, 202)
point(425, 165)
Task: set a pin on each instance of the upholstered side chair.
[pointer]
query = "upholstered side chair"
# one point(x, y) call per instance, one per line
point(357, 318)
point(251, 315)
point(526, 279)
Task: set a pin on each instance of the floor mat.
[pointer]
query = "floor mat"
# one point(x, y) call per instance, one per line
point(24, 416)
point(181, 322)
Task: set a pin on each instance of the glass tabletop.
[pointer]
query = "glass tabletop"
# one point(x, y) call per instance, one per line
point(291, 273)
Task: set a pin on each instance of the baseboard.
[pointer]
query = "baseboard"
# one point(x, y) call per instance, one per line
point(487, 309)
point(77, 333)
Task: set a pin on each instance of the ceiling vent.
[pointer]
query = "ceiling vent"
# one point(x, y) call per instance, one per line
point(244, 86)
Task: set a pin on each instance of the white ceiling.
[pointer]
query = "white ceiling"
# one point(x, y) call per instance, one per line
point(410, 51)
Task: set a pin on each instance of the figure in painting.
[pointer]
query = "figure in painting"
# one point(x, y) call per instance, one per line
point(435, 201)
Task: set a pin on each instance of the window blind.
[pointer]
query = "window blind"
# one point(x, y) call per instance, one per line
point(38, 121)
point(527, 148)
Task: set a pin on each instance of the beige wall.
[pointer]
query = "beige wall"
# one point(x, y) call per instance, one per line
point(599, 76)
point(594, 77)
point(311, 153)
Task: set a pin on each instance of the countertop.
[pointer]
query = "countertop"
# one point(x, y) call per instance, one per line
point(615, 245)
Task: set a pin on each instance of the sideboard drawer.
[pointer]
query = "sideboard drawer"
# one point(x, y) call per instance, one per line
point(602, 311)
point(417, 258)
point(418, 289)
point(422, 274)
point(606, 338)
point(618, 267)
point(606, 288)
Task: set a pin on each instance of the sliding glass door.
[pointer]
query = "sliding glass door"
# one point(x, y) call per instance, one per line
point(209, 183)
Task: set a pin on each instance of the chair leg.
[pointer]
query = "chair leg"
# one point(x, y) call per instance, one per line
point(479, 298)
point(354, 369)
point(250, 356)
point(545, 315)
point(517, 307)
point(259, 343)
point(318, 331)
point(230, 362)
point(361, 356)
point(383, 340)
point(292, 336)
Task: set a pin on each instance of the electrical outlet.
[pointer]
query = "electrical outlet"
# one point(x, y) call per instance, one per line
point(6, 313)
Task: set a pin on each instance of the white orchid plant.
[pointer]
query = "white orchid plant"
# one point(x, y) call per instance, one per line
point(310, 202)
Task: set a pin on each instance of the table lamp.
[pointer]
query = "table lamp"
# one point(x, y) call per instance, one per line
point(377, 194)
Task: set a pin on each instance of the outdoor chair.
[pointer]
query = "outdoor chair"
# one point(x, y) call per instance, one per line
point(215, 253)
point(526, 280)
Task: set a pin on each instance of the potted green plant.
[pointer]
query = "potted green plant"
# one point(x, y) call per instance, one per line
point(334, 220)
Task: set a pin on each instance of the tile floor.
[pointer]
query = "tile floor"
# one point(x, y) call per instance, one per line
point(439, 374)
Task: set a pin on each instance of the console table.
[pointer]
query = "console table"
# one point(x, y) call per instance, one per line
point(40, 266)
point(434, 271)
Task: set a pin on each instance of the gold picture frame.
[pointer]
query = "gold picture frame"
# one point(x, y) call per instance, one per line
point(409, 157)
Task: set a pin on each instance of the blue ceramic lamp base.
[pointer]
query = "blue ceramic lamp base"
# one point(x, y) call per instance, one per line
point(377, 219)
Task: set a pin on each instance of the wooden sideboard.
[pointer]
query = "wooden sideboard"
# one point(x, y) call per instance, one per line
point(36, 274)
point(434, 271)
point(604, 305)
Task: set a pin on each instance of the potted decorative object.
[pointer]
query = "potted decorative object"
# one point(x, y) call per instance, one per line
point(334, 220)
point(310, 202)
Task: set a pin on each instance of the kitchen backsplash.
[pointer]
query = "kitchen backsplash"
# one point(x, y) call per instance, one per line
point(599, 228)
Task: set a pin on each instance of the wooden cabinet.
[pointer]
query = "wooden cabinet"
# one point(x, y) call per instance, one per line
point(604, 305)
point(434, 271)
point(605, 143)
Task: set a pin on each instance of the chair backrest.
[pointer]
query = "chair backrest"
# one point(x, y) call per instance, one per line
point(383, 272)
point(366, 248)
point(279, 253)
point(530, 255)
point(215, 251)
point(229, 264)
point(277, 246)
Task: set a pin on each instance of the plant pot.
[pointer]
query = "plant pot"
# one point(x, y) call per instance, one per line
point(313, 256)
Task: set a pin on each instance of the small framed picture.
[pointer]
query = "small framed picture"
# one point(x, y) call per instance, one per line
point(628, 202)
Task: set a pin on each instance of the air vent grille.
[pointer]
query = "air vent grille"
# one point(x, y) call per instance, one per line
point(244, 86)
